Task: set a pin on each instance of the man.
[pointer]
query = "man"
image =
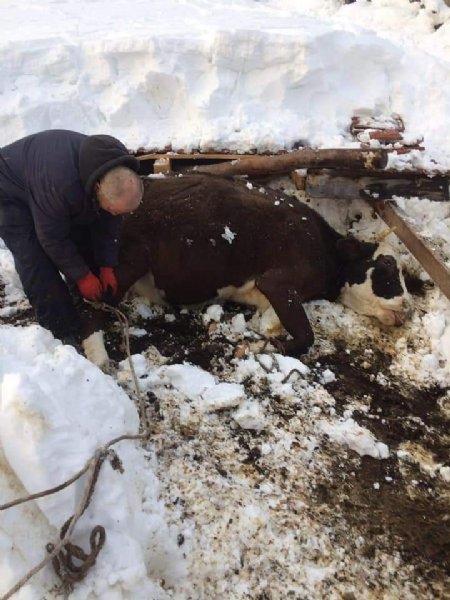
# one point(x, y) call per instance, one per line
point(62, 195)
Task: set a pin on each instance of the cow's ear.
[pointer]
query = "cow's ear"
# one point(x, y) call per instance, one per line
point(350, 248)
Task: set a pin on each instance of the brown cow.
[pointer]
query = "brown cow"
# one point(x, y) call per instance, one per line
point(197, 237)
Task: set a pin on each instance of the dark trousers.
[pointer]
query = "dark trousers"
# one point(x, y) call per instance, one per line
point(51, 298)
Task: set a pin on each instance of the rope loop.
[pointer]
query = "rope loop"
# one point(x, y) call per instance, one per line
point(72, 563)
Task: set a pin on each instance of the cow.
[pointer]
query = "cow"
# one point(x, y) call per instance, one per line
point(198, 237)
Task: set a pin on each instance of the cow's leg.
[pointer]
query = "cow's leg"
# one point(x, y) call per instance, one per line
point(286, 299)
point(134, 263)
point(93, 323)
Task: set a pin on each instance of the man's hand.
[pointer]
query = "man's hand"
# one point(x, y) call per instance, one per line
point(90, 287)
point(108, 280)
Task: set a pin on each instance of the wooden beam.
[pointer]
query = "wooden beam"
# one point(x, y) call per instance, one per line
point(349, 184)
point(307, 157)
point(429, 259)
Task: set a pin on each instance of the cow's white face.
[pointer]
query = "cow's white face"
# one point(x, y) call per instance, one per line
point(374, 286)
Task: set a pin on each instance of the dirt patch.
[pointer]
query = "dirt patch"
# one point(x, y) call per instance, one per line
point(183, 339)
point(396, 505)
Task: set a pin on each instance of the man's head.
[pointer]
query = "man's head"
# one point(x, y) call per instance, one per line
point(119, 191)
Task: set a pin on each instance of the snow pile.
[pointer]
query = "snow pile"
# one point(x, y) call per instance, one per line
point(244, 75)
point(55, 409)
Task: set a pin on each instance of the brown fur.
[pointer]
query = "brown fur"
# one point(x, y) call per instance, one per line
point(287, 248)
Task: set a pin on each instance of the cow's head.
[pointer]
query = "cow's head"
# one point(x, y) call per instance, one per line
point(373, 282)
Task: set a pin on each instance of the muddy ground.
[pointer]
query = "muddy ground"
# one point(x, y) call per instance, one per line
point(389, 520)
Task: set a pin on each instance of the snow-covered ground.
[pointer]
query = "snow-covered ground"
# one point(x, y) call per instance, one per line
point(223, 502)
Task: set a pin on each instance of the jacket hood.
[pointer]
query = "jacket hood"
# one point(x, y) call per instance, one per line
point(98, 155)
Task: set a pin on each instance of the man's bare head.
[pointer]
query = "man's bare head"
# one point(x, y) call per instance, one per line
point(119, 191)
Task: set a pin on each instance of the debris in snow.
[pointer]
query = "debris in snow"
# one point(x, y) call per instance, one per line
point(250, 416)
point(357, 438)
point(238, 323)
point(212, 313)
point(8, 311)
point(137, 331)
point(327, 377)
point(287, 364)
point(381, 379)
point(140, 367)
point(223, 395)
point(188, 379)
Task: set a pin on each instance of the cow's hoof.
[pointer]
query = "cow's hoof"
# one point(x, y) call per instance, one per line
point(95, 351)
point(294, 348)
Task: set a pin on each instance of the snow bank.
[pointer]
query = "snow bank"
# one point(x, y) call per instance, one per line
point(56, 408)
point(243, 75)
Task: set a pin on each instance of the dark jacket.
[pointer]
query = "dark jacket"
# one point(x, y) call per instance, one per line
point(54, 173)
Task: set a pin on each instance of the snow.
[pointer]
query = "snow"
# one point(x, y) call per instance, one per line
point(250, 416)
point(357, 438)
point(213, 313)
point(56, 408)
point(228, 235)
point(237, 75)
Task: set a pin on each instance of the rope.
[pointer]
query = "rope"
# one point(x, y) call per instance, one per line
point(63, 562)
point(125, 330)
point(64, 553)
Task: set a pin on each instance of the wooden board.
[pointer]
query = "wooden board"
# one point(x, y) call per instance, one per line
point(381, 184)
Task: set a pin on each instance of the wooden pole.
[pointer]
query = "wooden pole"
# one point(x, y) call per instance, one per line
point(429, 260)
point(299, 159)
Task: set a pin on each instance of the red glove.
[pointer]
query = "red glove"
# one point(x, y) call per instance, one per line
point(108, 279)
point(90, 287)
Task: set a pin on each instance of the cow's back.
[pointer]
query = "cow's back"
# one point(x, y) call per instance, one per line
point(203, 233)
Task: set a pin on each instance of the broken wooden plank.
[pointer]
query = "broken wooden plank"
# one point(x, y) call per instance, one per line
point(387, 130)
point(427, 257)
point(382, 135)
point(381, 185)
point(366, 121)
point(307, 157)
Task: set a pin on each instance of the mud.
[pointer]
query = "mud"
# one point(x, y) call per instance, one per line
point(410, 512)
